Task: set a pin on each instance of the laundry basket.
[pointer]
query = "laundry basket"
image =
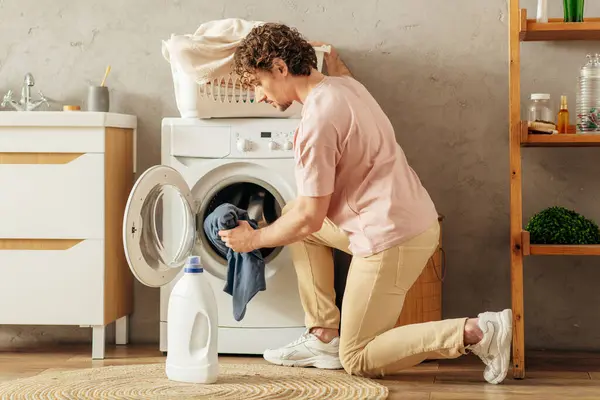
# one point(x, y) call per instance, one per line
point(224, 97)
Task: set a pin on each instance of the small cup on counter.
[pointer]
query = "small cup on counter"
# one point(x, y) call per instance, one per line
point(98, 99)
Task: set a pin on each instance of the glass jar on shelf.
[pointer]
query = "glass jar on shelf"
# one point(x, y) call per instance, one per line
point(588, 96)
point(540, 109)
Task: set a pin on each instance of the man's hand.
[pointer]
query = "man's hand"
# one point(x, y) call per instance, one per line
point(332, 53)
point(305, 217)
point(335, 65)
point(239, 239)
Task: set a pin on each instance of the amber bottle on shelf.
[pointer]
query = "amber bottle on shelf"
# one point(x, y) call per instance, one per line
point(563, 116)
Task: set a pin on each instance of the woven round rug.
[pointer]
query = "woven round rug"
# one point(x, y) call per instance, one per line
point(248, 381)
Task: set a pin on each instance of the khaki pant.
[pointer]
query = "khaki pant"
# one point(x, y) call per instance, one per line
point(375, 290)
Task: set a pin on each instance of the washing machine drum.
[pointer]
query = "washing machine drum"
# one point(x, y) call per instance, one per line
point(261, 205)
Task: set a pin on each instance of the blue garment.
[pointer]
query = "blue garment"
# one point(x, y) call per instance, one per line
point(246, 271)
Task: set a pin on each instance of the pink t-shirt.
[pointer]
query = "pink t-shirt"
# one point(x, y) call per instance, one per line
point(345, 146)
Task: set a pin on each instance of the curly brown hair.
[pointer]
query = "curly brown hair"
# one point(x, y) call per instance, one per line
point(267, 42)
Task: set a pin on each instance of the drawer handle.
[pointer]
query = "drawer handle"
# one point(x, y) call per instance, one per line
point(38, 158)
point(38, 244)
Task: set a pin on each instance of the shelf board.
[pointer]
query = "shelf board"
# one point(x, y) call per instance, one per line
point(558, 140)
point(557, 30)
point(561, 140)
point(564, 250)
point(557, 249)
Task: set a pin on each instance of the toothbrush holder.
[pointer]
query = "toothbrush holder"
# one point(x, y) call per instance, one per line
point(98, 99)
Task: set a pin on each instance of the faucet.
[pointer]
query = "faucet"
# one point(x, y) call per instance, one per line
point(26, 103)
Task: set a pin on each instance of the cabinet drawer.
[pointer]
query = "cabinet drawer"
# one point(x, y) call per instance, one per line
point(52, 139)
point(52, 196)
point(53, 282)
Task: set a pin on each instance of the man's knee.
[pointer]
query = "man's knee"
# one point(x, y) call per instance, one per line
point(354, 366)
point(353, 361)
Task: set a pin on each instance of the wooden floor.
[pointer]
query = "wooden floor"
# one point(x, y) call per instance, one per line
point(550, 375)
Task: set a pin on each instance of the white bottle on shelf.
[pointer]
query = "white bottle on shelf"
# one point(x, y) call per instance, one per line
point(192, 331)
point(542, 11)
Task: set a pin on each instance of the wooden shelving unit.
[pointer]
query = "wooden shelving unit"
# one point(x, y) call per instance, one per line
point(558, 140)
point(557, 249)
point(532, 31)
point(522, 29)
point(561, 140)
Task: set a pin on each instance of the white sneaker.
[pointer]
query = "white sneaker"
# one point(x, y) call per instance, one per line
point(494, 348)
point(307, 351)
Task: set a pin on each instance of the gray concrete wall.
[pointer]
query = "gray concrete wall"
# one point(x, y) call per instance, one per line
point(437, 67)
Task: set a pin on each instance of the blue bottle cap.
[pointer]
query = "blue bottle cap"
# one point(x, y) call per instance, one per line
point(192, 265)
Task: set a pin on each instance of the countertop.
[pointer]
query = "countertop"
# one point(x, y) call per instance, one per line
point(67, 118)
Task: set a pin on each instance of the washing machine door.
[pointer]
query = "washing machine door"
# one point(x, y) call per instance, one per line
point(159, 230)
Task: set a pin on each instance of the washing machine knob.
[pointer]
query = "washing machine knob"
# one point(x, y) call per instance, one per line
point(272, 145)
point(242, 145)
point(288, 145)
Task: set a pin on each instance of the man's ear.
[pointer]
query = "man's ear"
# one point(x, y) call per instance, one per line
point(280, 67)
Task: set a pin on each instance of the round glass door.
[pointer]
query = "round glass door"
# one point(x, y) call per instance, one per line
point(159, 229)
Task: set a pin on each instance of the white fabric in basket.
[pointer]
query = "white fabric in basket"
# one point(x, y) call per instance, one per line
point(208, 53)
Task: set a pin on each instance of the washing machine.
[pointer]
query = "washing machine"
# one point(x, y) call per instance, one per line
point(246, 162)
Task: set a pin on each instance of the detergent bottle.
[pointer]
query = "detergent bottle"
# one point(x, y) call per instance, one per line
point(192, 331)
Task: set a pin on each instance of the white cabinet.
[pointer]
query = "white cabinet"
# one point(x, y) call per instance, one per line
point(70, 187)
point(56, 285)
point(65, 178)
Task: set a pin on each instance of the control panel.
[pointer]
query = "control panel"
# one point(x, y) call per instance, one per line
point(233, 138)
point(272, 141)
point(266, 140)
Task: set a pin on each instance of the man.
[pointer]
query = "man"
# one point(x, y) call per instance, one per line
point(356, 193)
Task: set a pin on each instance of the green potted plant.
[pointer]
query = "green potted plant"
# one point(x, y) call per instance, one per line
point(558, 225)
